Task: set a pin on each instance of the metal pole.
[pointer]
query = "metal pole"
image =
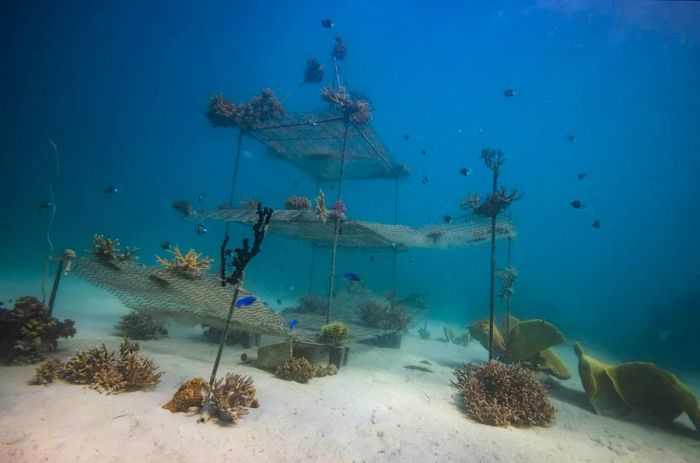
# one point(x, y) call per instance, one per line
point(224, 336)
point(492, 307)
point(337, 222)
point(396, 220)
point(64, 262)
point(507, 323)
point(235, 176)
point(313, 251)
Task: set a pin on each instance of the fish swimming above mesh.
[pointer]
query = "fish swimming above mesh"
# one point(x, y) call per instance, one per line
point(162, 294)
point(305, 225)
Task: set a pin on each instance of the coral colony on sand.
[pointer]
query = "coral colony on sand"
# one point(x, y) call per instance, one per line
point(27, 331)
point(296, 369)
point(493, 205)
point(139, 326)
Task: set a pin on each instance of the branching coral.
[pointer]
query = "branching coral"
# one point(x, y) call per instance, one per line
point(494, 203)
point(356, 110)
point(501, 395)
point(47, 371)
point(191, 394)
point(392, 316)
point(508, 277)
point(249, 203)
point(297, 203)
point(107, 250)
point(259, 109)
point(82, 368)
point(296, 369)
point(183, 207)
point(321, 210)
point(311, 303)
point(313, 72)
point(188, 265)
point(137, 325)
point(340, 50)
point(334, 333)
point(27, 331)
point(230, 398)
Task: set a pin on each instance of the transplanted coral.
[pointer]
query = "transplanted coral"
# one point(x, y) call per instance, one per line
point(259, 109)
point(229, 399)
point(189, 265)
point(500, 395)
point(101, 370)
point(296, 369)
point(299, 203)
point(108, 251)
point(137, 325)
point(27, 332)
point(325, 370)
point(47, 371)
point(356, 110)
point(334, 333)
point(191, 394)
point(392, 316)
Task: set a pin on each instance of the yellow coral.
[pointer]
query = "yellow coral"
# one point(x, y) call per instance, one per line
point(190, 264)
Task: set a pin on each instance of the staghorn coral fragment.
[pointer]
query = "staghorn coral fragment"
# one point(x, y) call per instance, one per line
point(108, 251)
point(47, 371)
point(190, 394)
point(82, 368)
point(355, 110)
point(137, 325)
point(230, 398)
point(188, 265)
point(321, 210)
point(501, 395)
point(259, 109)
point(296, 369)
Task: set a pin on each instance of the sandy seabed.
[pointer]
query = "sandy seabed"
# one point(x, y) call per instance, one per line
point(374, 410)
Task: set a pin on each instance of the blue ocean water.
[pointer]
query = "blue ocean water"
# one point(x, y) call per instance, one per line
point(121, 88)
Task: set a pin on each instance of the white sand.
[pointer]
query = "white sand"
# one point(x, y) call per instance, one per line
point(374, 410)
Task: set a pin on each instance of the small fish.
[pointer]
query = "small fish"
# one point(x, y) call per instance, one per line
point(581, 176)
point(447, 218)
point(393, 245)
point(596, 224)
point(371, 258)
point(245, 301)
point(293, 324)
point(279, 301)
point(110, 190)
point(406, 136)
point(411, 259)
point(200, 229)
point(327, 24)
point(46, 204)
point(576, 204)
point(352, 276)
point(570, 137)
point(481, 131)
point(200, 198)
point(466, 171)
point(165, 245)
point(425, 180)
point(423, 152)
point(247, 154)
point(509, 93)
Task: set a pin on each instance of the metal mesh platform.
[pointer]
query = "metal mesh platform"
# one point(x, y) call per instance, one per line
point(164, 295)
point(305, 225)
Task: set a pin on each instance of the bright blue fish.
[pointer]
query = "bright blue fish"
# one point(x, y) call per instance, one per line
point(245, 301)
point(352, 276)
point(293, 323)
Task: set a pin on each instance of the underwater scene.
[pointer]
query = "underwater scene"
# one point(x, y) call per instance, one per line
point(369, 231)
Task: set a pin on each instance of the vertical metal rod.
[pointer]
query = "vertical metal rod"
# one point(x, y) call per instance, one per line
point(312, 264)
point(396, 220)
point(56, 281)
point(222, 343)
point(507, 323)
point(235, 176)
point(337, 222)
point(492, 307)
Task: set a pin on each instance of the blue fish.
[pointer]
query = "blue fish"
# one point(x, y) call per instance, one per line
point(293, 323)
point(245, 301)
point(352, 276)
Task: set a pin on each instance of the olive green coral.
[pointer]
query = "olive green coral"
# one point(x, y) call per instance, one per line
point(500, 394)
point(334, 333)
point(137, 325)
point(47, 372)
point(296, 369)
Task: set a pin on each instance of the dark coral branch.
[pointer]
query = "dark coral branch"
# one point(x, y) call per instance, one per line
point(244, 254)
point(357, 110)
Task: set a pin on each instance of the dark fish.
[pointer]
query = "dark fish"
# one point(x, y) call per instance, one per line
point(245, 301)
point(200, 198)
point(596, 224)
point(423, 152)
point(581, 176)
point(509, 93)
point(200, 229)
point(371, 258)
point(228, 253)
point(165, 245)
point(447, 218)
point(425, 180)
point(327, 23)
point(293, 323)
point(46, 204)
point(406, 136)
point(352, 276)
point(279, 301)
point(465, 171)
point(2, 303)
point(576, 204)
point(110, 190)
point(570, 137)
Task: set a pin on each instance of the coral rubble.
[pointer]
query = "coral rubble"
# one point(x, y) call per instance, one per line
point(298, 203)
point(334, 333)
point(191, 394)
point(296, 369)
point(500, 395)
point(108, 251)
point(188, 265)
point(27, 331)
point(140, 326)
